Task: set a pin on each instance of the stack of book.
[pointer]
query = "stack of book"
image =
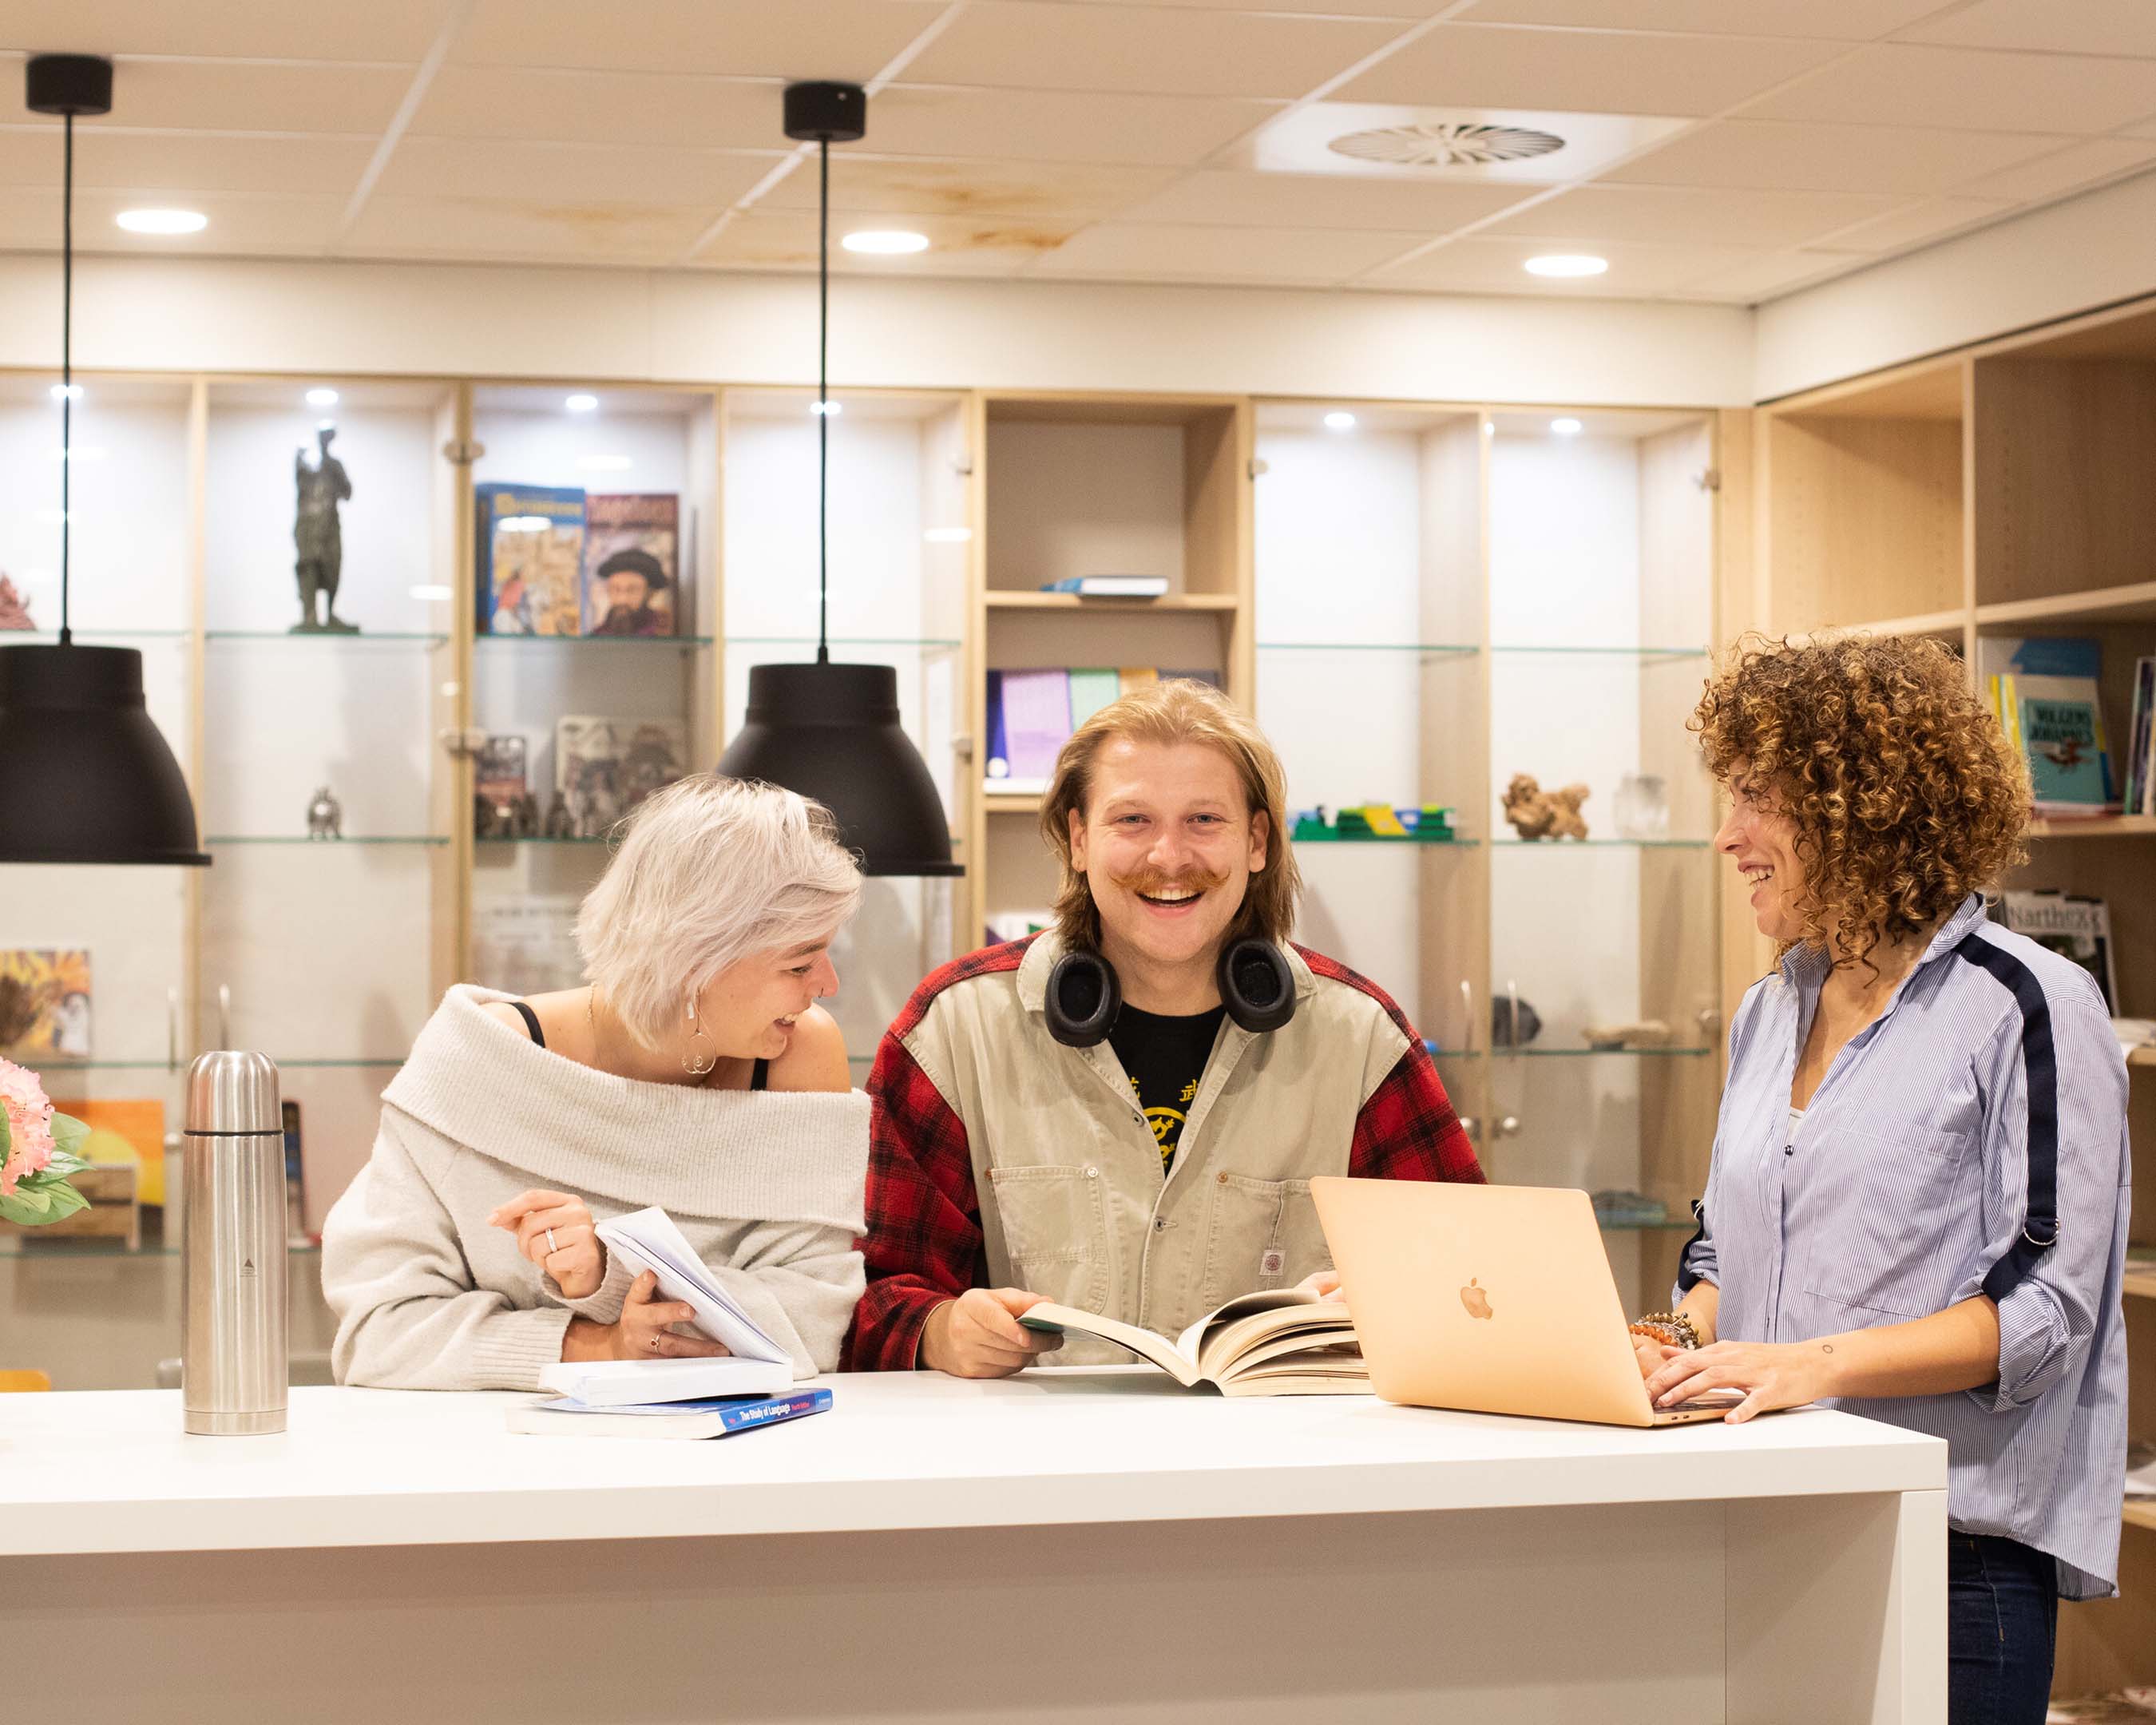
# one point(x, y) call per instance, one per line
point(1032, 713)
point(2047, 692)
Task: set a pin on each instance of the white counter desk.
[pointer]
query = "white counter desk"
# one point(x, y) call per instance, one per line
point(1070, 1545)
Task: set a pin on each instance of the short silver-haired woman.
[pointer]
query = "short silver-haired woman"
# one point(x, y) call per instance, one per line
point(696, 1073)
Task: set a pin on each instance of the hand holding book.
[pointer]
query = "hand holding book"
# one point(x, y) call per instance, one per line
point(978, 1334)
point(648, 1328)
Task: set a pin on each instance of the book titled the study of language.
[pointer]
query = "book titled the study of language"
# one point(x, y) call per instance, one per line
point(716, 1418)
point(1282, 1342)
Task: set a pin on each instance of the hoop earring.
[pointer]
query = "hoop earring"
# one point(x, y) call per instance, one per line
point(696, 1063)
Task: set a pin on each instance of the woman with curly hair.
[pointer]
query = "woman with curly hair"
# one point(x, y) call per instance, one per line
point(1917, 1205)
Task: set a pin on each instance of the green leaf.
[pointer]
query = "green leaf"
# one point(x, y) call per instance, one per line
point(28, 1206)
point(63, 1164)
point(66, 1201)
point(7, 1137)
point(68, 1133)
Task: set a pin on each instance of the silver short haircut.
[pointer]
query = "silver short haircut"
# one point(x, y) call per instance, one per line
point(708, 871)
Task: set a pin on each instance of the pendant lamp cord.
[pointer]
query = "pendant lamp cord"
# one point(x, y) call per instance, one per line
point(67, 368)
point(823, 404)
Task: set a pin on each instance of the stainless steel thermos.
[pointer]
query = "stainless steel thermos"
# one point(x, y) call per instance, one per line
point(235, 1354)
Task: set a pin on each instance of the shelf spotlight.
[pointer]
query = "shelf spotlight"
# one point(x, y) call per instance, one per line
point(162, 221)
point(582, 403)
point(67, 391)
point(949, 536)
point(1339, 421)
point(830, 410)
point(1567, 427)
point(434, 593)
point(322, 397)
point(885, 243)
point(325, 425)
point(1567, 264)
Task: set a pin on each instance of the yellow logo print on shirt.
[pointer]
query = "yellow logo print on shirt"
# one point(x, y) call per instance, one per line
point(1167, 1122)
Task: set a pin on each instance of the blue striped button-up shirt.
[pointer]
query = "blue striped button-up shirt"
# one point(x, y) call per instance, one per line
point(1982, 1113)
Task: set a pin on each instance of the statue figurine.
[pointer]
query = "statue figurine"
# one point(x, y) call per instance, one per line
point(523, 813)
point(322, 485)
point(325, 816)
point(558, 824)
point(1538, 813)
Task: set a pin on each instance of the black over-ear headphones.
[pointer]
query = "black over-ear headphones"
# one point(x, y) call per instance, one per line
point(1084, 996)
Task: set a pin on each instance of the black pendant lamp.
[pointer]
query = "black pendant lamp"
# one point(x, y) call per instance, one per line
point(85, 776)
point(828, 731)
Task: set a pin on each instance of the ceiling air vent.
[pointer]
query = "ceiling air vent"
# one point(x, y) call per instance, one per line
point(1443, 144)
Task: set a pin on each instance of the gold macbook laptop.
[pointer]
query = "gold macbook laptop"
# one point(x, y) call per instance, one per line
point(1493, 1299)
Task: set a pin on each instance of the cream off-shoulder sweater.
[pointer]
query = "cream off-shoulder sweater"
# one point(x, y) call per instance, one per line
point(766, 1186)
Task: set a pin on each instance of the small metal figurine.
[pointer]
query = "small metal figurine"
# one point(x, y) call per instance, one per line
point(322, 485)
point(325, 816)
point(558, 824)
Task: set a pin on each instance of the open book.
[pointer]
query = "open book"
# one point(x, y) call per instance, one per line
point(648, 1240)
point(1287, 1341)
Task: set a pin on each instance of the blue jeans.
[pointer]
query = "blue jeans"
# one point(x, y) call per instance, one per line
point(2002, 1616)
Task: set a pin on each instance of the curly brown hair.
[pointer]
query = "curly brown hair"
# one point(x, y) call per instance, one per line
point(1906, 794)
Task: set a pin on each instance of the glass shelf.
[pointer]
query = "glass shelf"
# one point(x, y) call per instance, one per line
point(50, 637)
point(1564, 1053)
point(1429, 647)
point(923, 642)
point(503, 840)
point(60, 1068)
point(488, 639)
point(326, 637)
point(350, 839)
point(1601, 844)
point(1396, 844)
point(28, 1245)
point(1605, 652)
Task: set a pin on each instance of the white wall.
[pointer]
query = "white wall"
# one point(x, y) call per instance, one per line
point(2086, 252)
point(223, 315)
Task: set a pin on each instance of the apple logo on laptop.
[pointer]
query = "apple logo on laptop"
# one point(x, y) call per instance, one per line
point(1477, 1302)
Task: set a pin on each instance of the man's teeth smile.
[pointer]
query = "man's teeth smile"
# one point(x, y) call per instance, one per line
point(1170, 895)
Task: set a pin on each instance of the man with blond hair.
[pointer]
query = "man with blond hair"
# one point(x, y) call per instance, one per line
point(1124, 1113)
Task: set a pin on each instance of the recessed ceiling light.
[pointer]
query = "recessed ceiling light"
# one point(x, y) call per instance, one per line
point(1567, 264)
point(162, 221)
point(582, 403)
point(67, 391)
point(832, 409)
point(605, 464)
point(949, 536)
point(885, 243)
point(1339, 421)
point(1567, 427)
point(322, 397)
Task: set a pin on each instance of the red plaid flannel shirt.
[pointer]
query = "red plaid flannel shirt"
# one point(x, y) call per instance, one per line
point(923, 1245)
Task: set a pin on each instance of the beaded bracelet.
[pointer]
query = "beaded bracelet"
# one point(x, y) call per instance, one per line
point(1674, 1329)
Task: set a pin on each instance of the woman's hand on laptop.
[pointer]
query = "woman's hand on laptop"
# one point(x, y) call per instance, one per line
point(1653, 1355)
point(1769, 1375)
point(979, 1335)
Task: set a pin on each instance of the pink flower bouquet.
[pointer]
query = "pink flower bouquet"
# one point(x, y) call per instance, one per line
point(38, 1151)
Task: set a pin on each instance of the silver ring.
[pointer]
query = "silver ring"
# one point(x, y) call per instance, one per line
point(551, 1247)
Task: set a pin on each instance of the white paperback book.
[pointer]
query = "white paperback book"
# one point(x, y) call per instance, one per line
point(638, 1382)
point(648, 1240)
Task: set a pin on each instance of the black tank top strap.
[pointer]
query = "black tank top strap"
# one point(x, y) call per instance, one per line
point(531, 1021)
point(760, 1077)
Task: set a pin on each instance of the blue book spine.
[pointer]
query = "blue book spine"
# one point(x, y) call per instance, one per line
point(999, 744)
point(777, 1408)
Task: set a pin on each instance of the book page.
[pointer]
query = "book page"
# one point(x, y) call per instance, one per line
point(648, 1240)
point(1144, 1343)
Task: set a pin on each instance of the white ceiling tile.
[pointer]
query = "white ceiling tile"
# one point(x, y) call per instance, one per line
point(1976, 91)
point(2108, 27)
point(2051, 176)
point(1269, 200)
point(564, 230)
point(830, 38)
point(1911, 225)
point(1591, 71)
point(1131, 252)
point(603, 108)
point(575, 173)
point(1477, 264)
point(1685, 215)
point(385, 30)
point(1052, 125)
point(1770, 155)
point(276, 226)
point(1830, 20)
point(911, 185)
point(786, 239)
point(1768, 273)
point(1158, 50)
point(243, 96)
point(180, 162)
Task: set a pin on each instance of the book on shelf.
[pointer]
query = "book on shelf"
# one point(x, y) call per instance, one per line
point(530, 558)
point(44, 1004)
point(1279, 1341)
point(1110, 587)
point(649, 1240)
point(715, 1417)
point(2075, 927)
point(2140, 733)
point(1032, 713)
point(625, 1382)
point(603, 767)
point(2048, 695)
point(632, 563)
point(501, 768)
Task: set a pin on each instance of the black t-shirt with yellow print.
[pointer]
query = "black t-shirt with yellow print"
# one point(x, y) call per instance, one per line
point(1165, 1058)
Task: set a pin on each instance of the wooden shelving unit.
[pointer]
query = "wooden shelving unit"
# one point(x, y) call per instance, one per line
point(2004, 491)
